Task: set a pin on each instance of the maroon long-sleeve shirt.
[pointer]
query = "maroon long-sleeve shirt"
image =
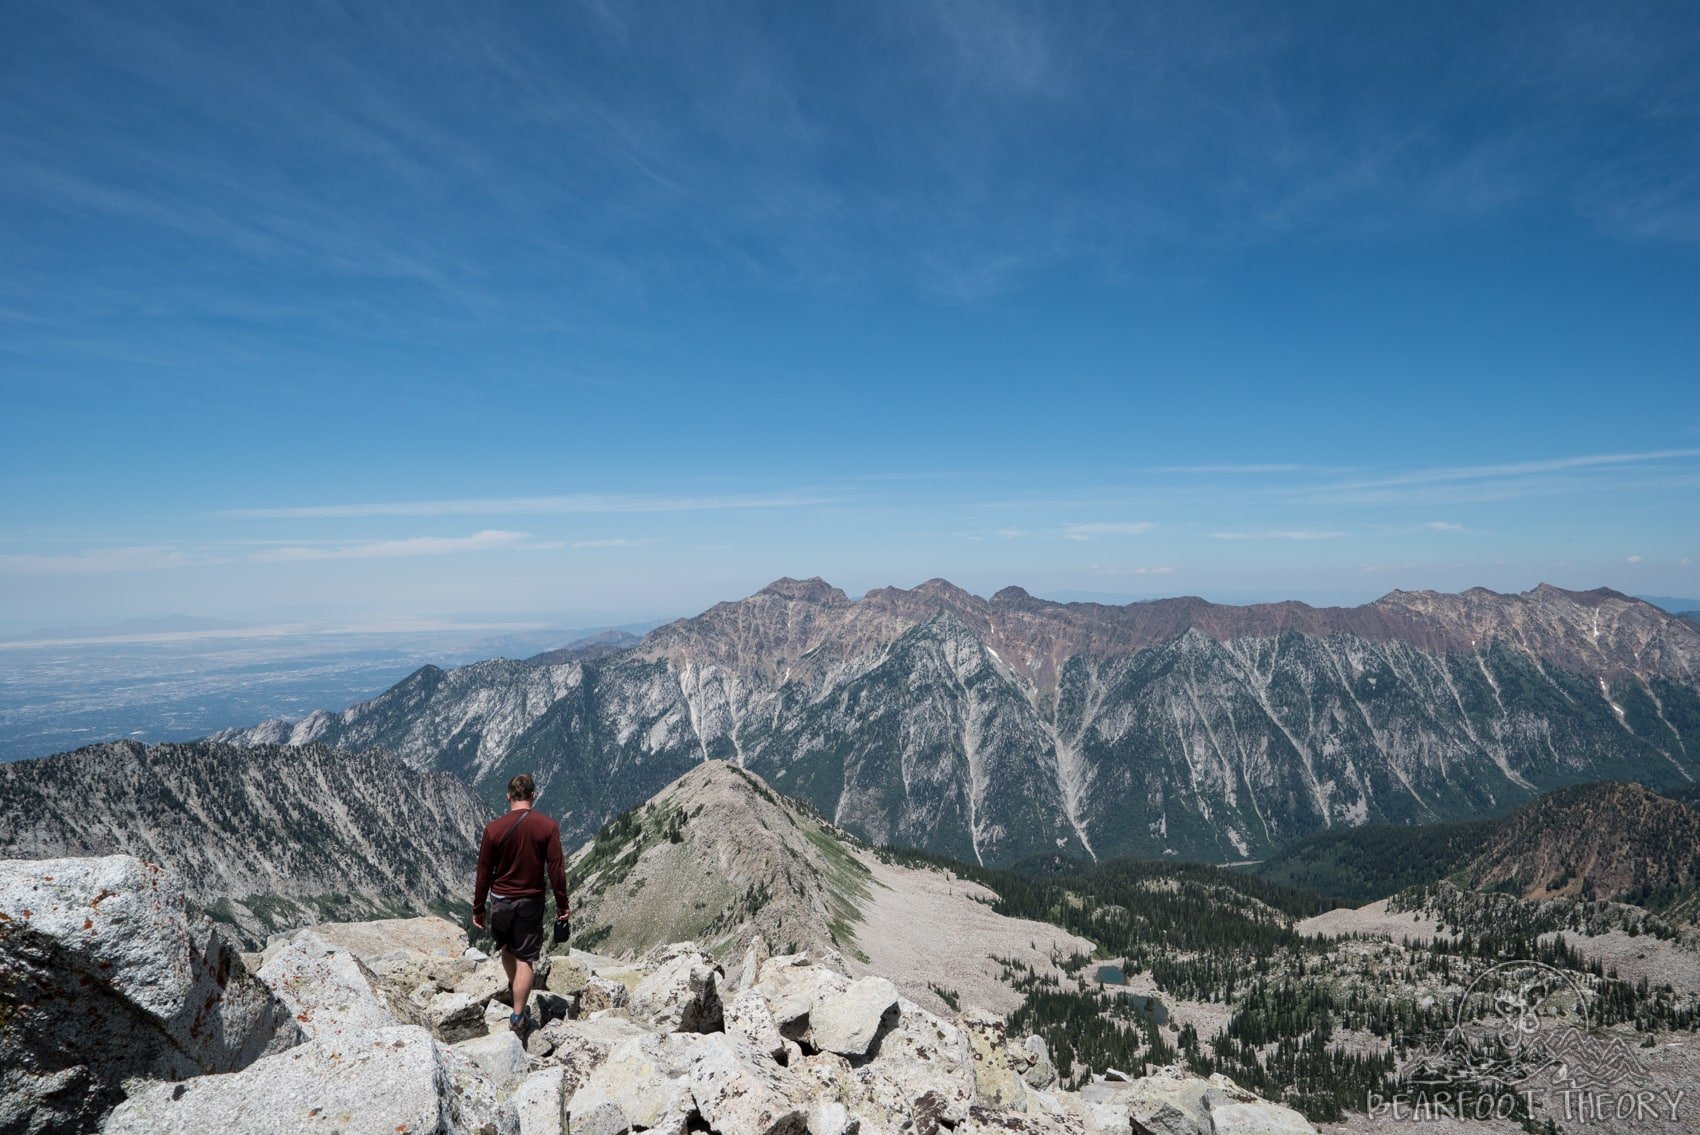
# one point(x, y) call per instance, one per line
point(514, 863)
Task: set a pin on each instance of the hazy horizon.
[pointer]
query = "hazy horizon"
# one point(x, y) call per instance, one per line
point(559, 628)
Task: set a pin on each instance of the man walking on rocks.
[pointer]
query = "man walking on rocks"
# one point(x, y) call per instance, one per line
point(517, 852)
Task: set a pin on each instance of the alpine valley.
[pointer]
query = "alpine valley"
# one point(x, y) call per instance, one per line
point(994, 730)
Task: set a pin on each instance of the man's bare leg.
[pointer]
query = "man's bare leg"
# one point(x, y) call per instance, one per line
point(519, 976)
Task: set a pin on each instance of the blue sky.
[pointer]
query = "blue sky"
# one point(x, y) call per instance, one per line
point(613, 310)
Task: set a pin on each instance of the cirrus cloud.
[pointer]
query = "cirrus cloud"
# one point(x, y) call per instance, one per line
point(1282, 534)
point(487, 540)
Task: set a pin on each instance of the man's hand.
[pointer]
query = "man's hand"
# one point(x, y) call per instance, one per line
point(478, 922)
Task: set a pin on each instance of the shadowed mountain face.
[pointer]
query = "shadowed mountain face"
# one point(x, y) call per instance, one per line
point(993, 729)
point(265, 838)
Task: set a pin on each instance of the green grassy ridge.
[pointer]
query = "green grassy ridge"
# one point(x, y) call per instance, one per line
point(828, 860)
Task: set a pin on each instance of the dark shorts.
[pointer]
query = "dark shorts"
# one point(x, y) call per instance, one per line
point(517, 925)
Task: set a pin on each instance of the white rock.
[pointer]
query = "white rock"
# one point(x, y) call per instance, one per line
point(681, 996)
point(749, 1019)
point(847, 1022)
point(488, 981)
point(792, 985)
point(590, 1114)
point(581, 1047)
point(998, 1081)
point(1235, 1111)
point(567, 976)
point(673, 1123)
point(754, 956)
point(922, 1055)
point(1167, 1102)
point(1260, 1118)
point(740, 1091)
point(647, 1076)
point(104, 975)
point(541, 1104)
point(373, 1083)
point(429, 936)
point(329, 990)
point(455, 1017)
point(829, 1117)
point(1042, 1074)
point(601, 994)
point(500, 1056)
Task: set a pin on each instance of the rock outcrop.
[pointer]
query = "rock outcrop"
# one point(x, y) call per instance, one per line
point(106, 975)
point(371, 1082)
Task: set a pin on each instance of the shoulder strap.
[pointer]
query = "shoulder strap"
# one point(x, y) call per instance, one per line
point(514, 827)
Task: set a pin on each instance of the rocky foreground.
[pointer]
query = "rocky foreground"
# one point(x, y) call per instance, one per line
point(121, 1012)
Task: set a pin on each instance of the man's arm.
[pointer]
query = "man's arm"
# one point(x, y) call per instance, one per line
point(557, 872)
point(481, 884)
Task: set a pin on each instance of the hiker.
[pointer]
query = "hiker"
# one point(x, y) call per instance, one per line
point(513, 857)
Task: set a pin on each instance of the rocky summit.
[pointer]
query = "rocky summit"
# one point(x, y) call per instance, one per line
point(397, 1026)
point(996, 729)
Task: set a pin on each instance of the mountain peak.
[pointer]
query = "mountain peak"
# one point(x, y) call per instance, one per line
point(1011, 594)
point(941, 588)
point(1591, 598)
point(780, 870)
point(811, 590)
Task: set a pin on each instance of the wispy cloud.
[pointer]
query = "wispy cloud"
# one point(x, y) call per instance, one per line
point(1101, 569)
point(1443, 526)
point(1501, 481)
point(1280, 534)
point(612, 542)
point(1079, 532)
point(488, 540)
point(139, 558)
point(518, 506)
point(1105, 528)
point(1236, 469)
point(1525, 468)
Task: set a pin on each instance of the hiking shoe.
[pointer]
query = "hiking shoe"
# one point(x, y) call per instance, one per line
point(520, 1024)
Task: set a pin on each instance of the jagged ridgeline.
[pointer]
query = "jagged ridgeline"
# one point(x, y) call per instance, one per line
point(995, 729)
point(265, 838)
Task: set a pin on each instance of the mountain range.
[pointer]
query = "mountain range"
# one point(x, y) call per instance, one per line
point(267, 837)
point(996, 729)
